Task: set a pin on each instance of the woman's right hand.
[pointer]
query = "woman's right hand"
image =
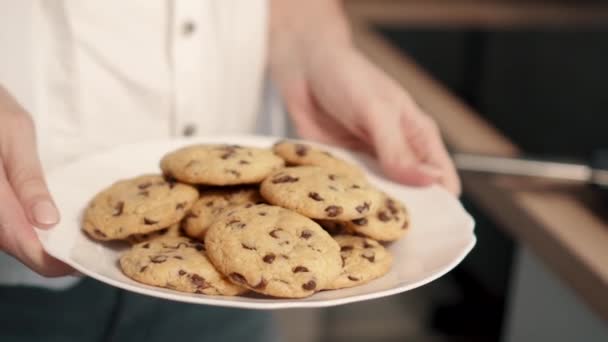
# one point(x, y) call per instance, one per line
point(25, 201)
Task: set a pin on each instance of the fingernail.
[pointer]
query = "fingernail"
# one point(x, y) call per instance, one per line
point(430, 170)
point(45, 213)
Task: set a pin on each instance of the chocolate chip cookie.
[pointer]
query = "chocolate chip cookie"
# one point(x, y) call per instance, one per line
point(363, 260)
point(212, 203)
point(389, 222)
point(138, 205)
point(300, 154)
point(319, 193)
point(176, 263)
point(220, 164)
point(272, 250)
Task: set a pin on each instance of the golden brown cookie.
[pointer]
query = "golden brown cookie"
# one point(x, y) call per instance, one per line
point(273, 251)
point(363, 260)
point(176, 263)
point(300, 154)
point(318, 193)
point(138, 205)
point(212, 203)
point(389, 222)
point(220, 164)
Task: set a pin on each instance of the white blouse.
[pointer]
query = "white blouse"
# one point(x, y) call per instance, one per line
point(96, 74)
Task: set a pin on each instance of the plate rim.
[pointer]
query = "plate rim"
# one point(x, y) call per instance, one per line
point(276, 303)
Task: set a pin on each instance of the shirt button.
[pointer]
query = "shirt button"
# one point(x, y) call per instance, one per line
point(189, 130)
point(188, 28)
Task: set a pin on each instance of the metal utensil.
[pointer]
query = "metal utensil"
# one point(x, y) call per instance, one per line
point(595, 172)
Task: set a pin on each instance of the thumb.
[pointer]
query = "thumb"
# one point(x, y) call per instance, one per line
point(25, 175)
point(397, 159)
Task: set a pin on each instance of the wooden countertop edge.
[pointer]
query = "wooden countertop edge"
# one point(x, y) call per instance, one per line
point(516, 219)
point(466, 131)
point(480, 14)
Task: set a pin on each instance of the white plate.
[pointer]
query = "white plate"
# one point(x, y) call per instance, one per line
point(441, 233)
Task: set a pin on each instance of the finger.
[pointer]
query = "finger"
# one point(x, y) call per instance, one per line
point(425, 138)
point(17, 237)
point(24, 172)
point(396, 156)
point(441, 157)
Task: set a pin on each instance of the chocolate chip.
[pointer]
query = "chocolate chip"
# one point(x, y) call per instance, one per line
point(190, 215)
point(301, 150)
point(143, 269)
point(261, 285)
point(178, 257)
point(228, 154)
point(273, 233)
point(243, 162)
point(306, 234)
point(309, 286)
point(208, 204)
point(236, 224)
point(284, 179)
point(360, 222)
point(180, 206)
point(298, 269)
point(158, 259)
point(268, 258)
point(346, 248)
point(343, 260)
point(353, 278)
point(248, 247)
point(383, 216)
point(198, 281)
point(355, 186)
point(390, 204)
point(181, 272)
point(262, 213)
point(170, 180)
point(332, 177)
point(315, 196)
point(233, 172)
point(238, 278)
point(162, 231)
point(199, 246)
point(144, 185)
point(333, 211)
point(99, 233)
point(148, 221)
point(118, 208)
point(146, 245)
point(370, 257)
point(363, 207)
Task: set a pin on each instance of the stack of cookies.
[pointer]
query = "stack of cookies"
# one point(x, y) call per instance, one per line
point(225, 219)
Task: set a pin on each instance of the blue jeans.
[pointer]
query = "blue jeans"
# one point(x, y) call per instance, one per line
point(92, 311)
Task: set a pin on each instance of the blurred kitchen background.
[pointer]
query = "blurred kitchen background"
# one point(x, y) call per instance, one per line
point(502, 78)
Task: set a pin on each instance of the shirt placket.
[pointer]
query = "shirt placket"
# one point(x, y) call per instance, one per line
point(191, 22)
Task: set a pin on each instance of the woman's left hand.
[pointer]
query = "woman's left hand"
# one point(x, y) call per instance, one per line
point(336, 96)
